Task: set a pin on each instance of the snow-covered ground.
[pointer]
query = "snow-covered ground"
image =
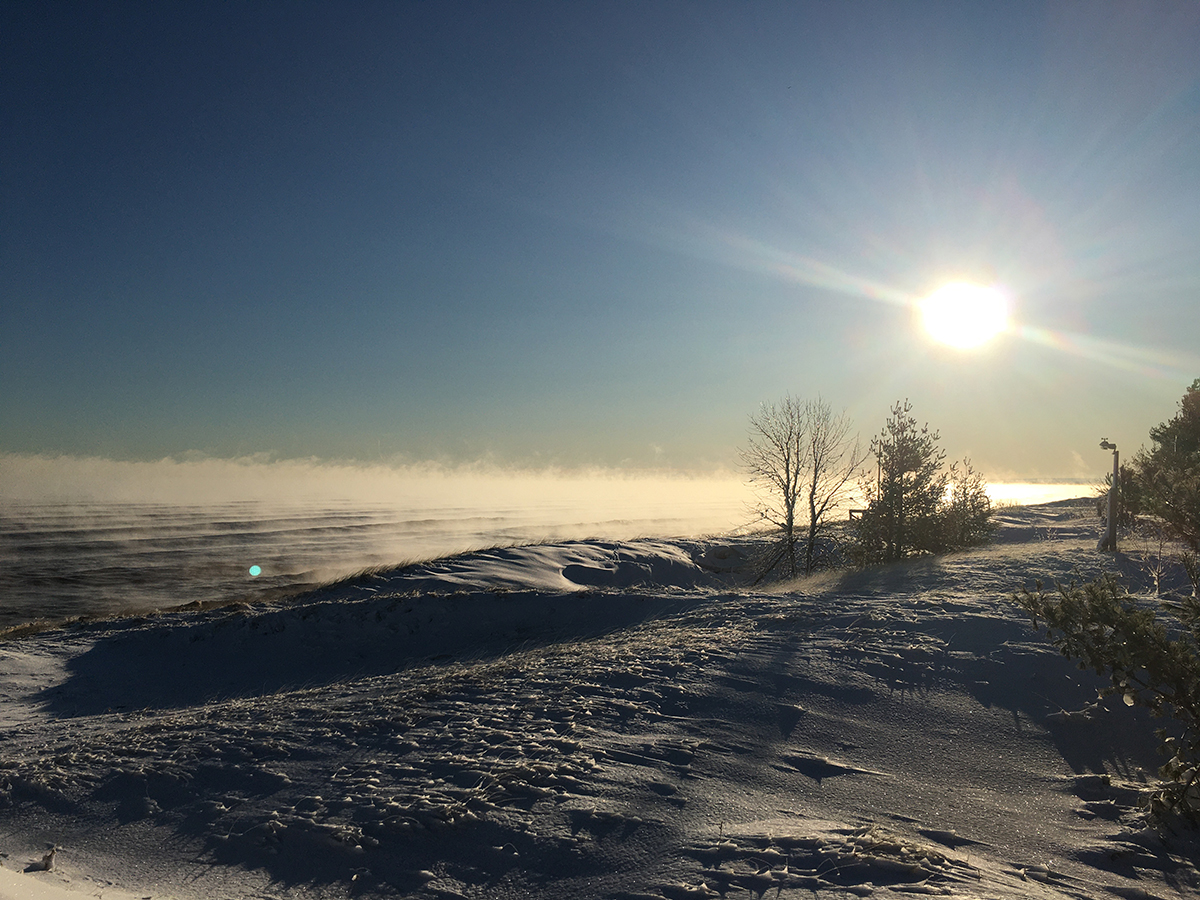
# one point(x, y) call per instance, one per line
point(590, 719)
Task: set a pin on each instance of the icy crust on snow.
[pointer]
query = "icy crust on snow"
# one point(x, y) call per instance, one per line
point(883, 733)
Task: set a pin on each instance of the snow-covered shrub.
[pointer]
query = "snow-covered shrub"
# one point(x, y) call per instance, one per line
point(1153, 658)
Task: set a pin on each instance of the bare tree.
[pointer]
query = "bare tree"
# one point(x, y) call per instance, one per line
point(799, 450)
point(774, 458)
point(833, 462)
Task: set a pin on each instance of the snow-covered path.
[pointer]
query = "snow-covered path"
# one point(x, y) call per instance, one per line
point(660, 734)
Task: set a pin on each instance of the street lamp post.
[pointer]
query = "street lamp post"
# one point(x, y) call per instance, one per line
point(1109, 541)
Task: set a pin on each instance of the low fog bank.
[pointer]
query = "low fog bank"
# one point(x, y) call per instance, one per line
point(33, 478)
point(65, 479)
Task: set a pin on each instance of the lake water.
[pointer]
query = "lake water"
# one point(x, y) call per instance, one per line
point(64, 559)
point(70, 559)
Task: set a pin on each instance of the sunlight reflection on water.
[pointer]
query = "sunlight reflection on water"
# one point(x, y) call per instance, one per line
point(1028, 493)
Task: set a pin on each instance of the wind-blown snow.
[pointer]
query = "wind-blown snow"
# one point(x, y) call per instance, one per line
point(590, 719)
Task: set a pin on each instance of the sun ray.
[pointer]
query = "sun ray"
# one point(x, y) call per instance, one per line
point(749, 254)
point(1144, 361)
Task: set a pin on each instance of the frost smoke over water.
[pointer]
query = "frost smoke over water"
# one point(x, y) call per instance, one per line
point(97, 537)
point(89, 536)
point(208, 480)
point(59, 560)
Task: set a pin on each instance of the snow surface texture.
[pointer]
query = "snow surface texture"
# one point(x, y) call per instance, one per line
point(589, 719)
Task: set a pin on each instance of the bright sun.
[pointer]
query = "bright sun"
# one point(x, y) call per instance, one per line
point(964, 315)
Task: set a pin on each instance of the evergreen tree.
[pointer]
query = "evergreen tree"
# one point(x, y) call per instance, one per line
point(1152, 656)
point(903, 504)
point(968, 509)
point(915, 506)
point(1168, 474)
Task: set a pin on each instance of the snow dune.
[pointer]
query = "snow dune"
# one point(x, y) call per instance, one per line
point(589, 719)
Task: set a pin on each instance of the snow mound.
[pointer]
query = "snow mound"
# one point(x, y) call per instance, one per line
point(476, 605)
point(566, 566)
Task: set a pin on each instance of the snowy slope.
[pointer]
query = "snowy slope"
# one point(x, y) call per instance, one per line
point(590, 719)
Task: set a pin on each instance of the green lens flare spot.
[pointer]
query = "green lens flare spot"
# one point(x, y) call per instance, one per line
point(255, 571)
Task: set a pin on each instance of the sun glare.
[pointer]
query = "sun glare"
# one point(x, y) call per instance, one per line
point(964, 315)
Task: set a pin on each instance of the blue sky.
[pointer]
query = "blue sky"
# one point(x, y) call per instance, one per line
point(581, 234)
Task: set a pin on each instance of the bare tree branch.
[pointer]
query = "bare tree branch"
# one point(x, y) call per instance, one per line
point(799, 449)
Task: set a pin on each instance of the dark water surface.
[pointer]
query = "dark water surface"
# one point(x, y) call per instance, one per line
point(71, 559)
